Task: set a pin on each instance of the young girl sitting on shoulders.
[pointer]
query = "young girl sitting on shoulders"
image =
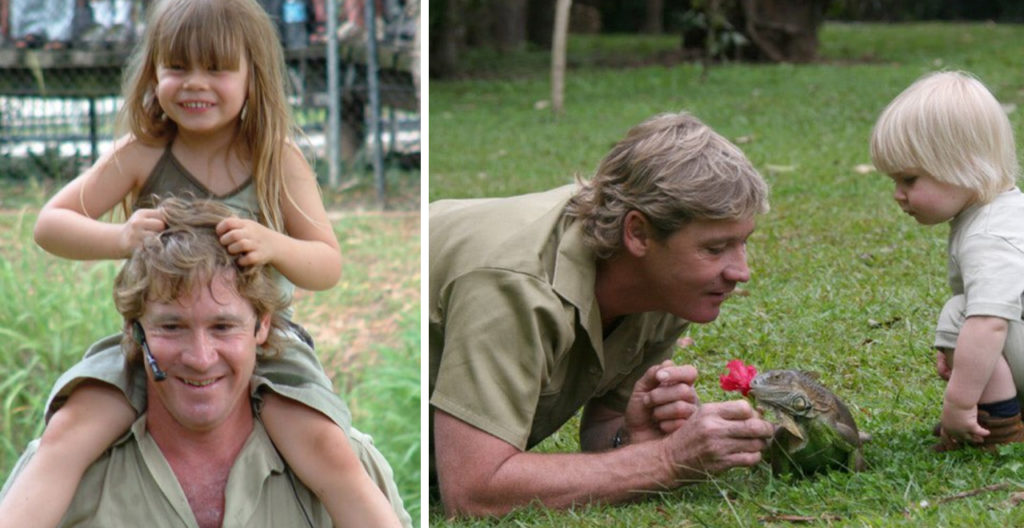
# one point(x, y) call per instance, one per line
point(948, 146)
point(207, 114)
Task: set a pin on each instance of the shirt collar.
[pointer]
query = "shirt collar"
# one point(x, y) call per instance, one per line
point(574, 279)
point(256, 461)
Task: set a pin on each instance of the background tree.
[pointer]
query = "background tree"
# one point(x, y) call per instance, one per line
point(654, 17)
point(757, 30)
point(772, 30)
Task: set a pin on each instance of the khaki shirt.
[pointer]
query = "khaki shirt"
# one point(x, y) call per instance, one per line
point(133, 485)
point(296, 374)
point(516, 345)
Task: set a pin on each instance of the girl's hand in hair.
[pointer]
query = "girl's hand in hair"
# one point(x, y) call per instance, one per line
point(250, 241)
point(142, 224)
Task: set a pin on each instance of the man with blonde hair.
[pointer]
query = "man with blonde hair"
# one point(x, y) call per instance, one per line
point(574, 298)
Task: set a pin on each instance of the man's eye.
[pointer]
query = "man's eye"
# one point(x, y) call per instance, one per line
point(716, 250)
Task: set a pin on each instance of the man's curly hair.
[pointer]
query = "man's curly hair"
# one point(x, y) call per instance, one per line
point(185, 255)
point(673, 169)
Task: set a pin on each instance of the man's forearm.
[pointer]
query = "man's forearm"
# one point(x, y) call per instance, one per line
point(564, 480)
point(481, 474)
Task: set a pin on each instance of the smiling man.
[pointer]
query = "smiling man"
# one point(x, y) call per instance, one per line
point(199, 456)
point(547, 303)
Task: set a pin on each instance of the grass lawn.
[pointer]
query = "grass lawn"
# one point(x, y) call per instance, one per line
point(366, 329)
point(843, 282)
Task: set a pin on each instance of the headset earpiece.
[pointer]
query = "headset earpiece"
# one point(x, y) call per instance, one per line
point(137, 334)
point(140, 337)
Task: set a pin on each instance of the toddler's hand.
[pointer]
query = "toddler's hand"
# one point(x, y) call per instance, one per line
point(248, 240)
point(961, 425)
point(141, 224)
point(942, 366)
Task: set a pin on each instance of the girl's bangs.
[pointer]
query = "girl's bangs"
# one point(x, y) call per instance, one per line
point(211, 43)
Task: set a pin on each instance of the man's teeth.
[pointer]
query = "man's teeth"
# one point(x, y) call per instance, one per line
point(198, 383)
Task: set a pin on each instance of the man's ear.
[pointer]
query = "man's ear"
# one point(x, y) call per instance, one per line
point(262, 329)
point(636, 236)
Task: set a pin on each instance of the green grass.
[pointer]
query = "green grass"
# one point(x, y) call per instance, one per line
point(366, 328)
point(843, 282)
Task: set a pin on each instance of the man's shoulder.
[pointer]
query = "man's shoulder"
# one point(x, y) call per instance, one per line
point(487, 215)
point(540, 199)
point(507, 233)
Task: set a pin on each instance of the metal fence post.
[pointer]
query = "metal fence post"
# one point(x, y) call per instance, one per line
point(374, 87)
point(333, 97)
point(94, 151)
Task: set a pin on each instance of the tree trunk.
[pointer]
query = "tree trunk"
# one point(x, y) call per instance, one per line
point(784, 30)
point(654, 22)
point(541, 22)
point(509, 24)
point(446, 37)
point(559, 39)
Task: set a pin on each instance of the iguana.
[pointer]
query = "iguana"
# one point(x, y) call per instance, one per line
point(815, 429)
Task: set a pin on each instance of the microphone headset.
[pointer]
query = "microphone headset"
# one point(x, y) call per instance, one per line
point(140, 337)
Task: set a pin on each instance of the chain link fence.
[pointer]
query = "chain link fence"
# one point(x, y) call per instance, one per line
point(355, 97)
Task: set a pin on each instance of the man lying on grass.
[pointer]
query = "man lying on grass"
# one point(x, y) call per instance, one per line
point(574, 298)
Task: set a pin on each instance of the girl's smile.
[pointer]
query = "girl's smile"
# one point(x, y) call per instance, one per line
point(203, 100)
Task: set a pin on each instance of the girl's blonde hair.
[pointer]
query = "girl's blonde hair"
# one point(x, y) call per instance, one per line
point(215, 34)
point(949, 125)
point(674, 169)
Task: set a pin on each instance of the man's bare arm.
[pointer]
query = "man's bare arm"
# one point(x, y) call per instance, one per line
point(480, 474)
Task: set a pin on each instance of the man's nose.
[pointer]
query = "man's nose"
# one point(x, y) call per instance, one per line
point(201, 353)
point(737, 270)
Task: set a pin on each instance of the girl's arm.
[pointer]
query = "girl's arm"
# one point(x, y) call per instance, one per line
point(308, 254)
point(68, 224)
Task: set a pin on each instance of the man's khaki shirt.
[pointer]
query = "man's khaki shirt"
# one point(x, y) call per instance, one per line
point(133, 485)
point(516, 344)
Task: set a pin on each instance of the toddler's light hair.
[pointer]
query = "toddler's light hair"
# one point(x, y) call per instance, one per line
point(949, 125)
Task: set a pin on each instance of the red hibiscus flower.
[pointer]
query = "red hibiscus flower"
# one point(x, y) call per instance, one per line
point(738, 378)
